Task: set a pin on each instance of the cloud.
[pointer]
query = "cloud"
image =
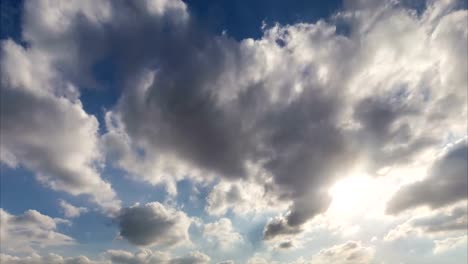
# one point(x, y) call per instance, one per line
point(286, 245)
point(350, 252)
point(302, 113)
point(154, 224)
point(242, 198)
point(147, 256)
point(279, 226)
point(446, 184)
point(257, 260)
point(71, 211)
point(45, 128)
point(49, 259)
point(437, 223)
point(303, 103)
point(195, 257)
point(31, 231)
point(144, 256)
point(222, 234)
point(450, 243)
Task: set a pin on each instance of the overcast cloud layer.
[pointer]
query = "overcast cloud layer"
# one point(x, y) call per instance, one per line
point(262, 128)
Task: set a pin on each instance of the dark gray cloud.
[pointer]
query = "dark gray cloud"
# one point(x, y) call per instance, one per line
point(154, 224)
point(279, 227)
point(446, 184)
point(286, 245)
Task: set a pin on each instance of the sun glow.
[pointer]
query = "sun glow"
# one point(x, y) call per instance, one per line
point(351, 195)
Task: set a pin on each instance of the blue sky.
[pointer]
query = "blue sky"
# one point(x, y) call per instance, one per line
point(170, 131)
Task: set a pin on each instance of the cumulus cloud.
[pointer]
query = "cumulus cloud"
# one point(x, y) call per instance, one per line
point(222, 234)
point(279, 226)
point(49, 259)
point(303, 103)
point(446, 184)
point(443, 222)
point(286, 245)
point(154, 224)
point(71, 211)
point(195, 257)
point(45, 128)
point(31, 231)
point(350, 252)
point(242, 198)
point(147, 256)
point(450, 243)
point(144, 256)
point(257, 260)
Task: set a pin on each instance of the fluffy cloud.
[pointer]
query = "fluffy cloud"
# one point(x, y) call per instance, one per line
point(221, 233)
point(154, 224)
point(49, 259)
point(195, 257)
point(72, 211)
point(257, 260)
point(450, 243)
point(45, 128)
point(279, 226)
point(286, 245)
point(241, 198)
point(443, 222)
point(349, 252)
point(31, 231)
point(40, 102)
point(446, 184)
point(146, 256)
point(303, 103)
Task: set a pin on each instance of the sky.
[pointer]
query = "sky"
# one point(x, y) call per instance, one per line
point(215, 131)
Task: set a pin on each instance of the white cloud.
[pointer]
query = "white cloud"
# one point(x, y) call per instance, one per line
point(242, 198)
point(222, 234)
point(49, 259)
point(140, 257)
point(31, 231)
point(352, 252)
point(71, 211)
point(143, 256)
point(147, 256)
point(446, 184)
point(45, 128)
point(257, 260)
point(450, 243)
point(444, 222)
point(302, 103)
